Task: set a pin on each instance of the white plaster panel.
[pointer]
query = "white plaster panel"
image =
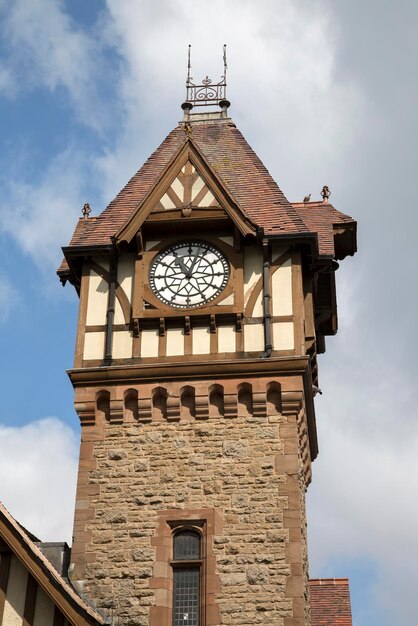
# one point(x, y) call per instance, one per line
point(122, 344)
point(253, 337)
point(149, 342)
point(277, 251)
point(97, 297)
point(94, 345)
point(226, 339)
point(283, 336)
point(228, 300)
point(44, 609)
point(228, 240)
point(16, 594)
point(201, 340)
point(126, 268)
point(119, 317)
point(178, 188)
point(253, 268)
point(207, 199)
point(258, 306)
point(282, 289)
point(167, 202)
point(174, 341)
point(197, 186)
point(150, 244)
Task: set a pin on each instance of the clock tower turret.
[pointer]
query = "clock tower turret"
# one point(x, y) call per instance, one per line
point(205, 297)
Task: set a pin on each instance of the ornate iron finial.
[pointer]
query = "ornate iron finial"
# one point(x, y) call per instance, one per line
point(86, 210)
point(206, 93)
point(325, 193)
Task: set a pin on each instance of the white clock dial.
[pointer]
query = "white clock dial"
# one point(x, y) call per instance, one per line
point(188, 274)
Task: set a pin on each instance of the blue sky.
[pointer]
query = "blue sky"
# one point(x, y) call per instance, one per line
point(326, 93)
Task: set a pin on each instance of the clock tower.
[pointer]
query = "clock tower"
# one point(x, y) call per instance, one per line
point(205, 298)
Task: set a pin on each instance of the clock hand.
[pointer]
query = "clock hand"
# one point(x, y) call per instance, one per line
point(183, 266)
point(196, 257)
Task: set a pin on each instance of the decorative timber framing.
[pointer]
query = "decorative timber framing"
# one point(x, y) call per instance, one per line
point(146, 305)
point(188, 152)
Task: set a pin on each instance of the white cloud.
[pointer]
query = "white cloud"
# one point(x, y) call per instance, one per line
point(41, 215)
point(362, 503)
point(38, 464)
point(281, 81)
point(8, 85)
point(9, 298)
point(47, 49)
point(281, 59)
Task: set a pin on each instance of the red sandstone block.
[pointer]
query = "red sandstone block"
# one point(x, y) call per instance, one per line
point(292, 518)
point(293, 552)
point(295, 587)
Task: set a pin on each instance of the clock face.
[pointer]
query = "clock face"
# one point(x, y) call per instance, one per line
point(188, 274)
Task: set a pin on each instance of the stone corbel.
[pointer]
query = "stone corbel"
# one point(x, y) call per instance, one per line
point(116, 412)
point(173, 408)
point(292, 402)
point(144, 410)
point(259, 404)
point(202, 407)
point(230, 405)
point(86, 411)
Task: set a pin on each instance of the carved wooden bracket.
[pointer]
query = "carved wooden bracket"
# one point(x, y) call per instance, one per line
point(161, 328)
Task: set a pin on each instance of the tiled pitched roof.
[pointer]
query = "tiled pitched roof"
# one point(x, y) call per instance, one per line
point(330, 602)
point(243, 175)
point(40, 561)
point(321, 218)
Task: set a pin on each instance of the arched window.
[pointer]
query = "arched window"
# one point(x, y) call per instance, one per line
point(187, 565)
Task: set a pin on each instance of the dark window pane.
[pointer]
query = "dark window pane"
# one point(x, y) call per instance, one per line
point(186, 546)
point(186, 597)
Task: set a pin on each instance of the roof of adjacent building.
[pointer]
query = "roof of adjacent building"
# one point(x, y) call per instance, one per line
point(330, 602)
point(244, 177)
point(22, 544)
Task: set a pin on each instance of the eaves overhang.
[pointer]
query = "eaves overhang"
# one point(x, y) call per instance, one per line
point(307, 239)
point(74, 256)
point(74, 609)
point(345, 239)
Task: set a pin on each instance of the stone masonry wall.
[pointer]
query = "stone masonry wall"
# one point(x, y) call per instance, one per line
point(247, 470)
